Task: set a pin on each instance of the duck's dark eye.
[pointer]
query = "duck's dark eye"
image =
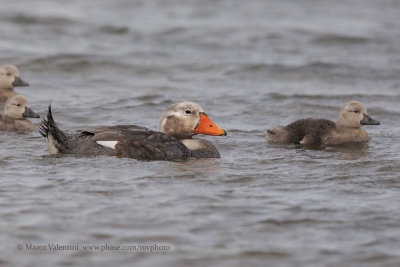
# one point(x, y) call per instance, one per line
point(8, 74)
point(356, 111)
point(188, 111)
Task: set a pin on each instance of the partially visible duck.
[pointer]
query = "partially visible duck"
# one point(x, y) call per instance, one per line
point(315, 132)
point(16, 111)
point(9, 78)
point(178, 124)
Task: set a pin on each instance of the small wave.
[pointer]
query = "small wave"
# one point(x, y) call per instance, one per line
point(261, 253)
point(329, 39)
point(316, 68)
point(48, 20)
point(71, 60)
point(172, 31)
point(291, 221)
point(284, 68)
point(114, 29)
point(383, 111)
point(344, 97)
point(80, 62)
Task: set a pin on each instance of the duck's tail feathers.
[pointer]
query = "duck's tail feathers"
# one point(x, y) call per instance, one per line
point(57, 140)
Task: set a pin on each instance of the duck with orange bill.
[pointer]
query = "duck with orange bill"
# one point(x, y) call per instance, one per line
point(173, 140)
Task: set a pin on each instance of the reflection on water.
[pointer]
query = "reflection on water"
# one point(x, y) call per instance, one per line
point(209, 166)
point(350, 151)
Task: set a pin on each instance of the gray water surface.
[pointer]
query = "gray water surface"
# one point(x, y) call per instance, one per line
point(252, 65)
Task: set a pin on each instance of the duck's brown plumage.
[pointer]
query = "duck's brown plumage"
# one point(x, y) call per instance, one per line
point(130, 141)
point(139, 142)
point(314, 129)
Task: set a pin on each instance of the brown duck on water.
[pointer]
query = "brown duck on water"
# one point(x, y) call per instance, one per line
point(9, 78)
point(315, 132)
point(16, 111)
point(178, 124)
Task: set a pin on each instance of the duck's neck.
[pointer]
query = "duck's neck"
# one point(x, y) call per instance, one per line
point(8, 118)
point(193, 144)
point(342, 128)
point(6, 93)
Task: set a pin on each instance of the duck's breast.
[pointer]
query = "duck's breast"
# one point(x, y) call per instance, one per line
point(11, 125)
point(201, 148)
point(346, 135)
point(24, 126)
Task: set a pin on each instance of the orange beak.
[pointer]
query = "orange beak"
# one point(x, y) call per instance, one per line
point(206, 126)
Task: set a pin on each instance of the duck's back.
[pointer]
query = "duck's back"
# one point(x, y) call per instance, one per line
point(126, 141)
point(309, 131)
